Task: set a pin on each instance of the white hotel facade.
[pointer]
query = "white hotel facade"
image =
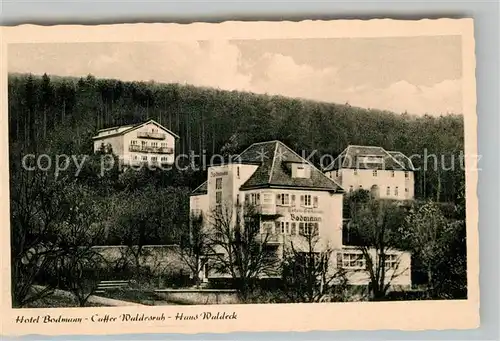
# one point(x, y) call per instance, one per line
point(295, 197)
point(145, 143)
point(387, 174)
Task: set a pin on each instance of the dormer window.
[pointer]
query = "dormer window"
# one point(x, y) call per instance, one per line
point(301, 170)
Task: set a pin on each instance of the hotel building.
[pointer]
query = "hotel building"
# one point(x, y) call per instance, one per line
point(387, 174)
point(294, 198)
point(144, 143)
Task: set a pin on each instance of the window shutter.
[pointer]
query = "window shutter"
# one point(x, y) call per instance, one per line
point(315, 201)
point(301, 200)
point(247, 198)
point(293, 199)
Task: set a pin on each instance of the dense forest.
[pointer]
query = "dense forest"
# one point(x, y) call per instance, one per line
point(61, 114)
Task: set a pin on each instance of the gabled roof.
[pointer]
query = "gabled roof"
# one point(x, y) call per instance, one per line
point(274, 170)
point(201, 189)
point(403, 159)
point(120, 130)
point(351, 158)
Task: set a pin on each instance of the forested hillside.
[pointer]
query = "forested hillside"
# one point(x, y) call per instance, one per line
point(61, 114)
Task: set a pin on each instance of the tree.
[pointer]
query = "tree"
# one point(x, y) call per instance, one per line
point(47, 101)
point(230, 148)
point(376, 224)
point(35, 213)
point(307, 274)
point(439, 244)
point(148, 216)
point(81, 229)
point(194, 246)
point(239, 249)
point(425, 228)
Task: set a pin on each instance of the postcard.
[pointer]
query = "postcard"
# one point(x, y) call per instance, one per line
point(239, 176)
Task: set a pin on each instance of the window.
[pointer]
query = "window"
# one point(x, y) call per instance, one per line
point(375, 172)
point(154, 144)
point(336, 173)
point(407, 190)
point(267, 198)
point(218, 183)
point(396, 191)
point(353, 260)
point(301, 171)
point(255, 198)
point(305, 200)
point(163, 144)
point(360, 186)
point(218, 198)
point(315, 202)
point(144, 158)
point(392, 174)
point(133, 142)
point(355, 172)
point(238, 172)
point(283, 199)
point(237, 199)
point(390, 262)
point(285, 227)
point(351, 188)
point(163, 158)
point(407, 175)
point(308, 229)
point(293, 229)
point(267, 227)
point(136, 157)
point(388, 191)
point(144, 143)
point(153, 158)
point(154, 130)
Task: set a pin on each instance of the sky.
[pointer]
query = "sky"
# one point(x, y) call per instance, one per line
point(419, 75)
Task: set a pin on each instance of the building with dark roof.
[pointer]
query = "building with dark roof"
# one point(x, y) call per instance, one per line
point(388, 174)
point(294, 199)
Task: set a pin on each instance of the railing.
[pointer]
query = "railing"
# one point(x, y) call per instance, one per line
point(272, 238)
point(150, 149)
point(151, 135)
point(267, 209)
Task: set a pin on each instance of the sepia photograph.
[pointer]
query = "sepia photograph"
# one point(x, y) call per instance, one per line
point(233, 171)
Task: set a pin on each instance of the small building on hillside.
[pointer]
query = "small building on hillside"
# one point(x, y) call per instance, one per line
point(143, 143)
point(387, 174)
point(294, 198)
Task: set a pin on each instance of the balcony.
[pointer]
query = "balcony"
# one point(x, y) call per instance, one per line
point(272, 238)
point(151, 135)
point(267, 209)
point(150, 149)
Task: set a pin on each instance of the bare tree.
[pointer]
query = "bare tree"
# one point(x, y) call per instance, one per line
point(79, 265)
point(239, 248)
point(376, 224)
point(35, 212)
point(307, 272)
point(194, 246)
